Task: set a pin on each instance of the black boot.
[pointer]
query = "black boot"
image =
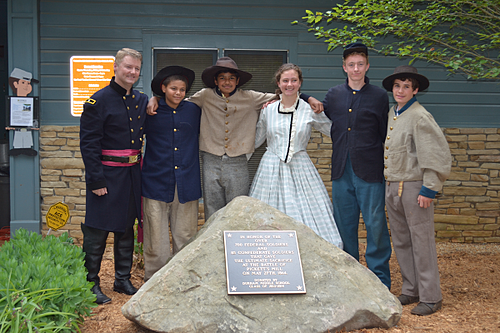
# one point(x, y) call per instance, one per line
point(124, 251)
point(94, 244)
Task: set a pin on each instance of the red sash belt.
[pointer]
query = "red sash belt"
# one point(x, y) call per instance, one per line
point(121, 158)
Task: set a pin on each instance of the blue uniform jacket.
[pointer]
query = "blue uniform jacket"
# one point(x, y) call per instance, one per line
point(172, 153)
point(359, 128)
point(111, 120)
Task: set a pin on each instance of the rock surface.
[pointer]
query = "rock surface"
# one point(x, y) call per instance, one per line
point(189, 293)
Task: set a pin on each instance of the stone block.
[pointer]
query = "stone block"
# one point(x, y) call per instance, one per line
point(479, 178)
point(73, 172)
point(75, 200)
point(488, 205)
point(492, 239)
point(468, 164)
point(49, 148)
point(459, 176)
point(52, 142)
point(456, 138)
point(72, 129)
point(455, 219)
point(492, 166)
point(62, 163)
point(51, 172)
point(468, 211)
point(463, 190)
point(46, 192)
point(55, 154)
point(477, 137)
point(52, 184)
point(492, 227)
point(492, 145)
point(51, 128)
point(69, 135)
point(67, 191)
point(475, 184)
point(449, 131)
point(493, 137)
point(477, 233)
point(461, 157)
point(470, 130)
point(52, 200)
point(475, 199)
point(74, 142)
point(476, 145)
point(489, 158)
point(448, 234)
point(48, 134)
point(442, 227)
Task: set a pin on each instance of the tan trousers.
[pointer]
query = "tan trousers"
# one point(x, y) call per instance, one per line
point(412, 232)
point(183, 220)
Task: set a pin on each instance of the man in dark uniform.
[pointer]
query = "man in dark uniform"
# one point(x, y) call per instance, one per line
point(111, 130)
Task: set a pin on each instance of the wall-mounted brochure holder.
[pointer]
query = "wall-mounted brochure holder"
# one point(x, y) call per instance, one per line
point(23, 117)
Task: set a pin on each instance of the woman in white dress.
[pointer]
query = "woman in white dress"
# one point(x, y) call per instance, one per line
point(286, 178)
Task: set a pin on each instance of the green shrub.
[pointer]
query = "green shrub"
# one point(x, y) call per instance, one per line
point(43, 284)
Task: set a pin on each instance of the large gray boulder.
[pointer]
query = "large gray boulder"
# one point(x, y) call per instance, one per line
point(189, 293)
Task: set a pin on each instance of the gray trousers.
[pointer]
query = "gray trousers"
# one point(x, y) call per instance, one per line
point(224, 178)
point(412, 231)
point(158, 215)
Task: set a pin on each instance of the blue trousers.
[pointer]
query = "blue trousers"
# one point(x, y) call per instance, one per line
point(351, 195)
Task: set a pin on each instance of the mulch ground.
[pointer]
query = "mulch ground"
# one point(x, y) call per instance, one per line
point(470, 282)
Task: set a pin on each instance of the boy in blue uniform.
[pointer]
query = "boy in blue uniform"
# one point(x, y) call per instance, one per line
point(111, 129)
point(171, 184)
point(358, 111)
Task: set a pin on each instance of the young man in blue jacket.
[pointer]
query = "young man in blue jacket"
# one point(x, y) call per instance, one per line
point(359, 111)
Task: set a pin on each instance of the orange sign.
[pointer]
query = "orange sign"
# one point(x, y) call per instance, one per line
point(88, 75)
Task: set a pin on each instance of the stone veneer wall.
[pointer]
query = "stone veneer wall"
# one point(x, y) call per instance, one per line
point(467, 210)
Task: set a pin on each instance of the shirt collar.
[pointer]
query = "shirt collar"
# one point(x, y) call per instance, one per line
point(404, 108)
point(291, 109)
point(116, 87)
point(217, 90)
point(367, 81)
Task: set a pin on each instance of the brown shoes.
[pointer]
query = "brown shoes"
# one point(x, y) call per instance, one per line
point(425, 309)
point(405, 299)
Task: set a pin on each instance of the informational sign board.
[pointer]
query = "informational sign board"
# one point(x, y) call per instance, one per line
point(88, 75)
point(57, 216)
point(263, 262)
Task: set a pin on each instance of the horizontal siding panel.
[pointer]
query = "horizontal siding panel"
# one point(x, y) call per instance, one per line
point(97, 27)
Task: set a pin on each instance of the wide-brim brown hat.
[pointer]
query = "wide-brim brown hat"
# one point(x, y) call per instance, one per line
point(405, 71)
point(224, 64)
point(169, 71)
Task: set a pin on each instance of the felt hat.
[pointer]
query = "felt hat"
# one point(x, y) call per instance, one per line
point(224, 64)
point(355, 47)
point(406, 71)
point(169, 71)
point(20, 74)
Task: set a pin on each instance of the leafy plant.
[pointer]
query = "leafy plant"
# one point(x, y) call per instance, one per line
point(43, 285)
point(462, 35)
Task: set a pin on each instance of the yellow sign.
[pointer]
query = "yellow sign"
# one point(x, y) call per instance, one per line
point(88, 75)
point(57, 216)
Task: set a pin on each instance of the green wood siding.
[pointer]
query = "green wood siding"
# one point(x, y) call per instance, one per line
point(96, 27)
